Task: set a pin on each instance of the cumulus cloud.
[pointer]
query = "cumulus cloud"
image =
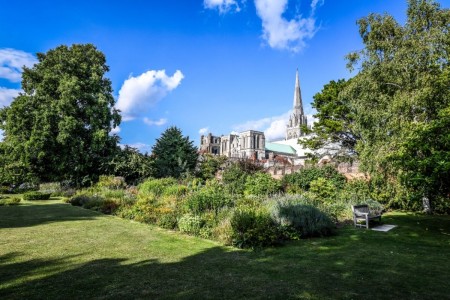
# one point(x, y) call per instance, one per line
point(281, 33)
point(222, 5)
point(12, 61)
point(151, 122)
point(139, 93)
point(143, 148)
point(115, 130)
point(7, 95)
point(274, 128)
point(204, 130)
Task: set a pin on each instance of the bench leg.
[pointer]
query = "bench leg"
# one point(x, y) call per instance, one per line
point(367, 222)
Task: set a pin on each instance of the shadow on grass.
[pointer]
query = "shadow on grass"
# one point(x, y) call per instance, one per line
point(355, 264)
point(37, 213)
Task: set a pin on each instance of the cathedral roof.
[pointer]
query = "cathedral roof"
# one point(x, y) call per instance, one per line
point(280, 148)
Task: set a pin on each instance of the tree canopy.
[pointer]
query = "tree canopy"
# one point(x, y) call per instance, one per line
point(59, 127)
point(401, 98)
point(173, 154)
point(333, 131)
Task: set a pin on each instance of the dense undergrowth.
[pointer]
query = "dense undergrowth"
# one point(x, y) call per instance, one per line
point(247, 209)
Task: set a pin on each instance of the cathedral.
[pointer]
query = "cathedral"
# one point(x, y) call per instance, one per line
point(252, 144)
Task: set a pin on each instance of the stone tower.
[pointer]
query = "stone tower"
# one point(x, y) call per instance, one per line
point(297, 117)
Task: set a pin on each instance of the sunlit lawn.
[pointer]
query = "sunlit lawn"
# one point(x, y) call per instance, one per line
point(50, 250)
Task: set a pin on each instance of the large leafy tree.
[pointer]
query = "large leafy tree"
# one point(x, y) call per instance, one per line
point(59, 127)
point(131, 164)
point(173, 154)
point(401, 98)
point(333, 132)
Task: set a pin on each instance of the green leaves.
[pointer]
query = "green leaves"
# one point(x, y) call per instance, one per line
point(58, 128)
point(174, 155)
point(400, 96)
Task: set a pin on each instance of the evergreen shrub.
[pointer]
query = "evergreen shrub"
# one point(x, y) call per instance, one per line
point(36, 196)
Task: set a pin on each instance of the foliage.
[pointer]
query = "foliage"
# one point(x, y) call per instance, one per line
point(212, 197)
point(323, 188)
point(58, 127)
point(261, 183)
point(95, 202)
point(190, 224)
point(253, 228)
point(156, 186)
point(302, 179)
point(305, 220)
point(36, 196)
point(235, 175)
point(131, 164)
point(9, 201)
point(208, 165)
point(111, 182)
point(400, 99)
point(5, 190)
point(173, 154)
point(333, 129)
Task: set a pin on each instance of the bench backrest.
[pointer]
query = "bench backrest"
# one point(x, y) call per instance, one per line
point(360, 209)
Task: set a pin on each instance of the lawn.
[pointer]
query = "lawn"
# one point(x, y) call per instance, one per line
point(53, 250)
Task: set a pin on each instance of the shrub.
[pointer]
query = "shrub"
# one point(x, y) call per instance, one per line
point(53, 188)
point(190, 224)
point(234, 177)
point(211, 197)
point(5, 189)
point(156, 186)
point(111, 182)
point(36, 196)
point(175, 190)
point(106, 206)
point(252, 228)
point(80, 199)
point(261, 184)
point(307, 220)
point(324, 189)
point(9, 201)
point(26, 187)
point(302, 179)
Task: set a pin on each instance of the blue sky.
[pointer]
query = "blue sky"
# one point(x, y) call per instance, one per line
point(205, 65)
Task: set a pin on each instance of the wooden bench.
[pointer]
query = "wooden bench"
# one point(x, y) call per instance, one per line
point(362, 213)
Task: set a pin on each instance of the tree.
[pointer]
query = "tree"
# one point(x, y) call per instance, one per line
point(333, 130)
point(58, 127)
point(400, 98)
point(131, 164)
point(208, 165)
point(173, 154)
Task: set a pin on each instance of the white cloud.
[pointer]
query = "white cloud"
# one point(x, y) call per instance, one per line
point(222, 5)
point(12, 61)
point(311, 120)
point(159, 122)
point(138, 94)
point(281, 33)
point(1, 135)
point(274, 127)
point(140, 146)
point(115, 130)
point(204, 130)
point(7, 95)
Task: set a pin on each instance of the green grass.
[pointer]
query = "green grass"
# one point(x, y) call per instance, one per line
point(51, 250)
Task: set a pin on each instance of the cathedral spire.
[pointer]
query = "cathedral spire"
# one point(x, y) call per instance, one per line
point(298, 95)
